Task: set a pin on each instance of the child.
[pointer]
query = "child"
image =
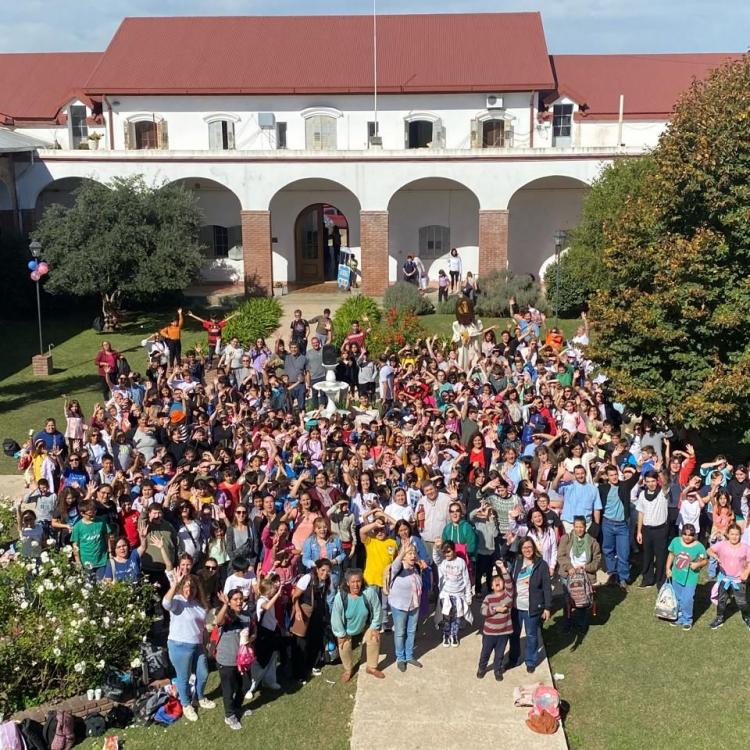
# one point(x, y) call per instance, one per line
point(268, 642)
point(691, 505)
point(722, 518)
point(75, 424)
point(443, 283)
point(734, 568)
point(454, 589)
point(686, 558)
point(497, 622)
point(32, 534)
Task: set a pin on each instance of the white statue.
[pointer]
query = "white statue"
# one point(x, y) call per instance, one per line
point(467, 333)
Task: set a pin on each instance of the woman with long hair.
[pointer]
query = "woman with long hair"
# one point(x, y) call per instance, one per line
point(187, 607)
point(535, 527)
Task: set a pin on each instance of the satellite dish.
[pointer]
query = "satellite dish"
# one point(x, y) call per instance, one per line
point(236, 253)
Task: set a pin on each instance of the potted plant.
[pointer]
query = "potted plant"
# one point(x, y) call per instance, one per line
point(278, 289)
point(94, 139)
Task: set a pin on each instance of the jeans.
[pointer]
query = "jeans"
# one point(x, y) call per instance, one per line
point(297, 394)
point(188, 658)
point(492, 643)
point(404, 629)
point(685, 595)
point(530, 623)
point(616, 548)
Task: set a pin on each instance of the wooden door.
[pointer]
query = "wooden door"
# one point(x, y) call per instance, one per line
point(309, 234)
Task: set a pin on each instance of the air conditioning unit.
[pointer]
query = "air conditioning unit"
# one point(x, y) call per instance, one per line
point(266, 120)
point(494, 101)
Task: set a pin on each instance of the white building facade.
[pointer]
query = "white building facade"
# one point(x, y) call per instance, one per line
point(290, 167)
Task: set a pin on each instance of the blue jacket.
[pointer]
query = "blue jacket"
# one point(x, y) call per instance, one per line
point(311, 551)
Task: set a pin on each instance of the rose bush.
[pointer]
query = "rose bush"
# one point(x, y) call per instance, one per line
point(59, 631)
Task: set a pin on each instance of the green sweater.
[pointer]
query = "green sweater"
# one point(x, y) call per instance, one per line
point(462, 533)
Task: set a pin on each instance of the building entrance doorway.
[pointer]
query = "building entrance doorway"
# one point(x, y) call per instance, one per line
point(321, 230)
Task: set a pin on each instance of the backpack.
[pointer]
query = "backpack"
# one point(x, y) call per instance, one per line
point(33, 735)
point(118, 686)
point(119, 716)
point(10, 737)
point(10, 447)
point(169, 712)
point(579, 589)
point(59, 730)
point(666, 603)
point(96, 725)
point(154, 661)
point(147, 705)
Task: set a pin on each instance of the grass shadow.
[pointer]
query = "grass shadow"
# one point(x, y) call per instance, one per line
point(15, 395)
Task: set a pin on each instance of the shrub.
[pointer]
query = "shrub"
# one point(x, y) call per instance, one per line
point(404, 296)
point(357, 307)
point(258, 317)
point(498, 287)
point(395, 330)
point(574, 289)
point(447, 307)
point(59, 631)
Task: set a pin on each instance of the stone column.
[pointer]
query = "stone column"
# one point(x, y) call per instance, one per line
point(256, 249)
point(493, 240)
point(373, 238)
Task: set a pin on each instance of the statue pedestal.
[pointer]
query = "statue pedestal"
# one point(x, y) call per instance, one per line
point(41, 365)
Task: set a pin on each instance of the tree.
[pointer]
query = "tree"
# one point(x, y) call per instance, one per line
point(125, 238)
point(581, 266)
point(670, 319)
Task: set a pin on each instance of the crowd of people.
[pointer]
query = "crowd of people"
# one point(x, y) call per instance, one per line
point(442, 490)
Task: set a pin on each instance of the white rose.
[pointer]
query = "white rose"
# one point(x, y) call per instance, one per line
point(24, 605)
point(80, 667)
point(135, 663)
point(100, 664)
point(56, 651)
point(44, 557)
point(50, 542)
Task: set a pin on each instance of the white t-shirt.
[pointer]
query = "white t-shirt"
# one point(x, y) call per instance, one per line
point(239, 582)
point(269, 615)
point(400, 512)
point(303, 582)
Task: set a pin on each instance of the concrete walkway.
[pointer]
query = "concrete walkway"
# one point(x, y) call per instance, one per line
point(11, 485)
point(444, 705)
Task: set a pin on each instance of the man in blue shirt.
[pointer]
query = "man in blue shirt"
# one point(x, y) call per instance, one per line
point(580, 498)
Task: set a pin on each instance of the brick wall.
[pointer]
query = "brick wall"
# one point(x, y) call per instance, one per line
point(493, 240)
point(373, 237)
point(256, 246)
point(41, 365)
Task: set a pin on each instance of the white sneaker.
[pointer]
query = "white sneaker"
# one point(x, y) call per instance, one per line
point(249, 695)
point(206, 703)
point(189, 713)
point(316, 672)
point(232, 723)
point(247, 713)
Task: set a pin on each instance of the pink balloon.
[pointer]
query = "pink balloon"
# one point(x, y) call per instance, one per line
point(43, 268)
point(34, 275)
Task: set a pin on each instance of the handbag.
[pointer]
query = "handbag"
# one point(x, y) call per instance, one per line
point(301, 624)
point(199, 554)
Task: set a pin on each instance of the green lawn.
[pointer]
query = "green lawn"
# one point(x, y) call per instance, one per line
point(636, 682)
point(316, 715)
point(441, 324)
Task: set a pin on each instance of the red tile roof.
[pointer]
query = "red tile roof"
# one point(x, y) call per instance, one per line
point(325, 54)
point(33, 86)
point(651, 84)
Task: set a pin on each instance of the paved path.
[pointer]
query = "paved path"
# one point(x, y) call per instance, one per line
point(11, 485)
point(444, 705)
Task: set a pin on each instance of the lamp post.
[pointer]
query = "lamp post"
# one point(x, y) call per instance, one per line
point(559, 239)
point(35, 248)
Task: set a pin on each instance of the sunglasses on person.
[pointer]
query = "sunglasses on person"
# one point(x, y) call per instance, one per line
point(211, 567)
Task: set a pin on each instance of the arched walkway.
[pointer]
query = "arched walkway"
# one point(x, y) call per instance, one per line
point(58, 192)
point(305, 215)
point(535, 213)
point(221, 230)
point(428, 217)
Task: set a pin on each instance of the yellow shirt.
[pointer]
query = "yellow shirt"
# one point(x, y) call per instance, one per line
point(380, 554)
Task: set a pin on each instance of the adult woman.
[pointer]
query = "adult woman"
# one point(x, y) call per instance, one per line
point(459, 531)
point(532, 602)
point(241, 537)
point(187, 607)
point(470, 287)
point(578, 553)
point(280, 554)
point(259, 355)
point(313, 591)
point(232, 620)
point(404, 597)
point(454, 269)
point(106, 363)
point(189, 538)
point(95, 447)
point(322, 545)
point(537, 528)
point(304, 518)
point(125, 565)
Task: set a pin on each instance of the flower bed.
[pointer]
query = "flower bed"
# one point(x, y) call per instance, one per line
point(59, 631)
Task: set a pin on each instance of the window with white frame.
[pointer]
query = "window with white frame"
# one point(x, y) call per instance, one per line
point(320, 133)
point(434, 241)
point(562, 124)
point(79, 130)
point(220, 135)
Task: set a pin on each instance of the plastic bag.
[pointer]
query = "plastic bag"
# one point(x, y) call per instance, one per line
point(666, 603)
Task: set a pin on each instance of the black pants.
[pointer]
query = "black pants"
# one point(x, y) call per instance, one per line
point(105, 388)
point(740, 599)
point(307, 652)
point(455, 277)
point(211, 353)
point(483, 570)
point(672, 514)
point(442, 293)
point(490, 643)
point(234, 685)
point(655, 554)
point(175, 351)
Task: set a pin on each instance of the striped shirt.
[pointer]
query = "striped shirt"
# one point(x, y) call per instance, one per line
point(498, 623)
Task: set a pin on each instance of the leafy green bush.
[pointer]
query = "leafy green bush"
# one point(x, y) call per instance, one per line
point(403, 296)
point(59, 631)
point(357, 307)
point(395, 330)
point(448, 306)
point(498, 287)
point(574, 289)
point(258, 317)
